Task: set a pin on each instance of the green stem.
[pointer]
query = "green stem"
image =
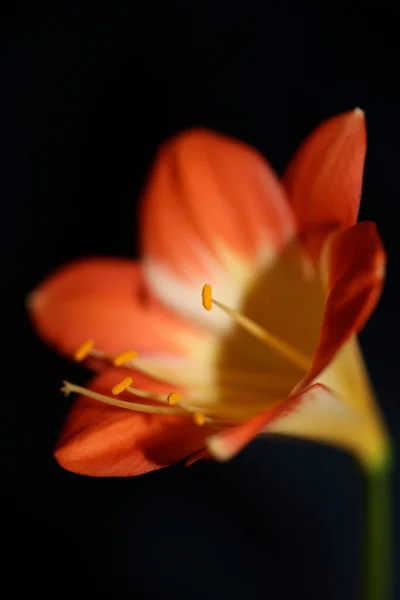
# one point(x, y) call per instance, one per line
point(378, 543)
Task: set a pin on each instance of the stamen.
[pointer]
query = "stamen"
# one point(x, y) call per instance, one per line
point(125, 385)
point(188, 405)
point(173, 398)
point(199, 418)
point(203, 404)
point(204, 397)
point(297, 358)
point(121, 386)
point(123, 358)
point(206, 296)
point(83, 350)
point(68, 388)
point(153, 395)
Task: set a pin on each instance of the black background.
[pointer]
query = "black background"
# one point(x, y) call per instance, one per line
point(88, 91)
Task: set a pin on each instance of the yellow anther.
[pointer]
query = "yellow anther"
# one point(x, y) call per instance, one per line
point(124, 358)
point(83, 350)
point(173, 398)
point(199, 418)
point(206, 296)
point(121, 386)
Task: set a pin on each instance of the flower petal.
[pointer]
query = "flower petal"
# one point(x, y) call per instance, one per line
point(213, 211)
point(353, 268)
point(106, 441)
point(314, 413)
point(347, 375)
point(324, 179)
point(202, 454)
point(106, 300)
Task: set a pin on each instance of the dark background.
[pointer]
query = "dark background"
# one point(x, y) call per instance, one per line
point(87, 92)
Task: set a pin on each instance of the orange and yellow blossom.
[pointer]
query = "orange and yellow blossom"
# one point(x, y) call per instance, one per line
point(291, 279)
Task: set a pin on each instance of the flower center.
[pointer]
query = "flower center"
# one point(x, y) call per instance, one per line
point(177, 404)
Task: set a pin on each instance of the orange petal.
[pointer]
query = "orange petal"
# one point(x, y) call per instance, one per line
point(227, 444)
point(324, 179)
point(104, 300)
point(105, 441)
point(202, 454)
point(211, 203)
point(207, 189)
point(315, 414)
point(353, 267)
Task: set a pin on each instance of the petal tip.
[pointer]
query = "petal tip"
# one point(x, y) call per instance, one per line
point(358, 112)
point(218, 448)
point(62, 455)
point(189, 137)
point(357, 123)
point(33, 301)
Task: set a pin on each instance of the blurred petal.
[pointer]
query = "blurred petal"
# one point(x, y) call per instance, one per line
point(106, 300)
point(314, 414)
point(213, 211)
point(353, 268)
point(324, 179)
point(106, 441)
point(225, 445)
point(200, 455)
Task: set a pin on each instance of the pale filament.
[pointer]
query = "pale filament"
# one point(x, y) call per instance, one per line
point(190, 404)
point(296, 357)
point(68, 388)
point(198, 417)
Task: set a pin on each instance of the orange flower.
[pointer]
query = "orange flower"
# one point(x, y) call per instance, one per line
point(294, 280)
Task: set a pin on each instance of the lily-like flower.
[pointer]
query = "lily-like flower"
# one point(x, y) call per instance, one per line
point(290, 277)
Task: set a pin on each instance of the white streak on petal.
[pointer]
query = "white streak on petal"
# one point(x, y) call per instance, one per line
point(230, 279)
